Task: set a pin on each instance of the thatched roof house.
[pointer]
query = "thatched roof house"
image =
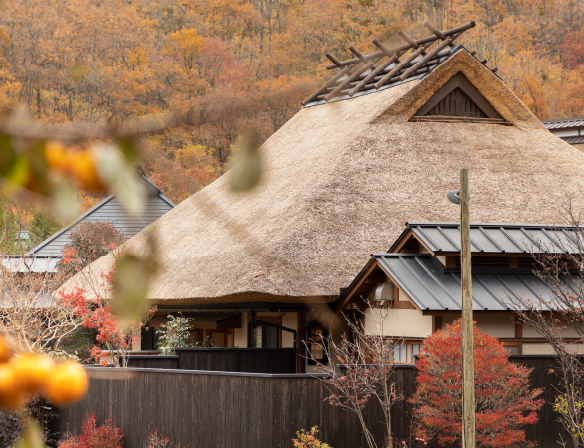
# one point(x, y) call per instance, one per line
point(342, 177)
point(378, 145)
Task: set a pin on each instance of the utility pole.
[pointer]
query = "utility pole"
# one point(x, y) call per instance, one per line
point(468, 389)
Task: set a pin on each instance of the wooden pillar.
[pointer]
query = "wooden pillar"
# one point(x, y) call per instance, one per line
point(468, 389)
point(300, 361)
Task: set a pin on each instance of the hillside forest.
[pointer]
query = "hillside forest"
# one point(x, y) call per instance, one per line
point(78, 61)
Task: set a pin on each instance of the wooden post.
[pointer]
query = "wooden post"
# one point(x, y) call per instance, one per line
point(468, 390)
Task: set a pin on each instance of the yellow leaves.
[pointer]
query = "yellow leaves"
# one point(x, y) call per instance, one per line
point(185, 45)
point(79, 72)
point(137, 58)
point(191, 155)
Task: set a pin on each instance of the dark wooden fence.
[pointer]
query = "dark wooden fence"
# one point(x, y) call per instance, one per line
point(153, 362)
point(220, 409)
point(249, 360)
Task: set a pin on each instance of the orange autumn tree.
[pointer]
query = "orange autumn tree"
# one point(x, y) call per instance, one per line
point(504, 401)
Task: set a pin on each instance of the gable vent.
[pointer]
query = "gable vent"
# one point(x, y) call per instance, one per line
point(457, 104)
point(458, 99)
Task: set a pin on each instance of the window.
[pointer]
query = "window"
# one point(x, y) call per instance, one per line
point(263, 336)
point(404, 352)
point(315, 339)
point(513, 348)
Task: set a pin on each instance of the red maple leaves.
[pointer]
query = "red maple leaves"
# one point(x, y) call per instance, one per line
point(504, 402)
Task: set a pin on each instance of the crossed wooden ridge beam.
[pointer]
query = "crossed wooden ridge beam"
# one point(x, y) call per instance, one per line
point(362, 73)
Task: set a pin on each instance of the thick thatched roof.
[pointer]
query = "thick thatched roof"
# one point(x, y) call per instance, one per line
point(342, 178)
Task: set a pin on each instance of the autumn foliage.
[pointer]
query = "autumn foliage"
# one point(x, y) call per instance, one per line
point(92, 435)
point(504, 401)
point(78, 61)
point(90, 241)
point(99, 315)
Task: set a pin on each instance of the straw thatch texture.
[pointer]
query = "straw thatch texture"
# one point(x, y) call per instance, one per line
point(340, 181)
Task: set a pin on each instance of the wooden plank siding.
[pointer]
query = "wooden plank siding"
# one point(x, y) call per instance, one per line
point(218, 409)
point(153, 362)
point(249, 360)
point(111, 211)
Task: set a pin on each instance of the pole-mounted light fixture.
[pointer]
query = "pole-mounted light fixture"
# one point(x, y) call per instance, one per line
point(454, 196)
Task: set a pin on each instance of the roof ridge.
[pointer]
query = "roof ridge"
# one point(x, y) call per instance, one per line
point(361, 74)
point(479, 224)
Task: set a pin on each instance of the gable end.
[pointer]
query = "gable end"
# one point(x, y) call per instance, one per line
point(458, 99)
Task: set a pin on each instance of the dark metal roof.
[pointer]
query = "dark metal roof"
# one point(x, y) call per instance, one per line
point(498, 238)
point(579, 140)
point(562, 123)
point(433, 288)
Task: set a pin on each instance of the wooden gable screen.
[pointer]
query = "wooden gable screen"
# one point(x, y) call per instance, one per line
point(457, 99)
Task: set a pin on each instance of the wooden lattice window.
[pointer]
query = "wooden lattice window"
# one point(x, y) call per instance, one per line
point(316, 340)
point(458, 99)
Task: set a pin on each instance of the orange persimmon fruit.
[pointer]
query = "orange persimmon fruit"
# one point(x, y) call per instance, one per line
point(67, 383)
point(10, 394)
point(4, 351)
point(31, 371)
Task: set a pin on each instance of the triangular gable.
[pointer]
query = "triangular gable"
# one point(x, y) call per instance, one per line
point(485, 89)
point(45, 247)
point(458, 98)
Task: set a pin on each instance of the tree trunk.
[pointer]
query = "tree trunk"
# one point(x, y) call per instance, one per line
point(38, 98)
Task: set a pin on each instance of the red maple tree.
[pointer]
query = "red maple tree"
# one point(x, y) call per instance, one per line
point(116, 335)
point(504, 400)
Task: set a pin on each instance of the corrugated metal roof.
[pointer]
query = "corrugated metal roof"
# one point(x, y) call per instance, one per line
point(574, 140)
point(109, 210)
point(499, 238)
point(432, 288)
point(562, 123)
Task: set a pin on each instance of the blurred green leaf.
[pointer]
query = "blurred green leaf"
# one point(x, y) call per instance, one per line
point(33, 436)
point(17, 173)
point(131, 286)
point(247, 165)
point(7, 154)
point(121, 176)
point(129, 148)
point(37, 163)
point(64, 204)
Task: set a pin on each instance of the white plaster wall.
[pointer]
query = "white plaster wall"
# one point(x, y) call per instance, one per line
point(497, 326)
point(537, 349)
point(240, 334)
point(397, 322)
point(289, 320)
point(568, 332)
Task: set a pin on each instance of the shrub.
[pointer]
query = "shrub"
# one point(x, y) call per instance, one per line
point(308, 439)
point(11, 427)
point(174, 333)
point(504, 401)
point(93, 436)
point(156, 441)
point(90, 241)
point(12, 423)
point(207, 342)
